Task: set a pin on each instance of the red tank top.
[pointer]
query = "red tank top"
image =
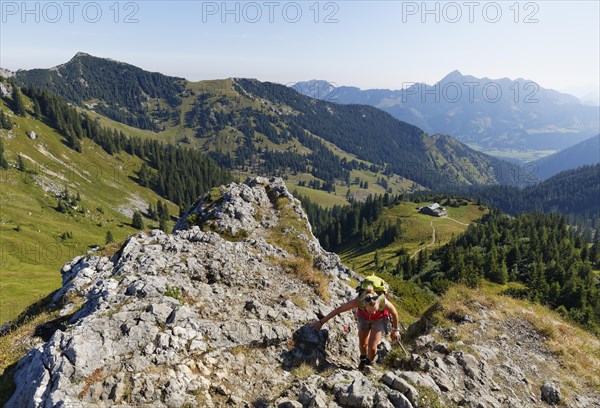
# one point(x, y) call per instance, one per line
point(362, 313)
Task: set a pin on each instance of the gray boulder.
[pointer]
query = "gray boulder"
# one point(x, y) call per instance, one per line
point(550, 393)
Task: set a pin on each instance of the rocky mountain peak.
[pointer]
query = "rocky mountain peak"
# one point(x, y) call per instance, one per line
point(6, 73)
point(452, 76)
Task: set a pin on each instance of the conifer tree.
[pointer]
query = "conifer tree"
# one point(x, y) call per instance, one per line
point(159, 209)
point(109, 237)
point(61, 206)
point(152, 212)
point(18, 105)
point(363, 230)
point(502, 277)
point(20, 163)
point(162, 224)
point(137, 222)
point(5, 122)
point(326, 242)
point(37, 110)
point(165, 212)
point(3, 162)
point(421, 260)
point(144, 175)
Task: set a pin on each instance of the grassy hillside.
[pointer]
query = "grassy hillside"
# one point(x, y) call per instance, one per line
point(37, 239)
point(229, 139)
point(572, 355)
point(419, 232)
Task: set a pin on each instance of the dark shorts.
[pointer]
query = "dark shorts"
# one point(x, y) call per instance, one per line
point(379, 325)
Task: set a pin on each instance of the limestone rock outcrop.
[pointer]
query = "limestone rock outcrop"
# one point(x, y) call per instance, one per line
point(217, 313)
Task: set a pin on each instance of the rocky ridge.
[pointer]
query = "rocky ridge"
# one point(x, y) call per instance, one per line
point(215, 314)
point(188, 317)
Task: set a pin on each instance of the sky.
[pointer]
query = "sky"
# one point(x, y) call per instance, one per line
point(374, 44)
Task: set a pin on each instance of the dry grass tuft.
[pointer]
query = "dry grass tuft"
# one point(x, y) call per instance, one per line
point(90, 380)
point(303, 269)
point(303, 371)
point(299, 301)
point(109, 249)
point(287, 235)
point(241, 349)
point(14, 345)
point(577, 350)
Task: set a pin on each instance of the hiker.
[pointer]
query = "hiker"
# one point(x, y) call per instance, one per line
point(373, 312)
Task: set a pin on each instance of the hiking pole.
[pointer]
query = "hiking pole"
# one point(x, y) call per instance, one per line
point(402, 325)
point(402, 346)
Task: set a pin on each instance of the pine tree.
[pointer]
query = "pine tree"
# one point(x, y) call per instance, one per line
point(61, 206)
point(326, 242)
point(595, 254)
point(144, 176)
point(502, 277)
point(18, 105)
point(3, 162)
point(162, 224)
point(398, 270)
point(37, 111)
point(5, 122)
point(459, 271)
point(494, 272)
point(165, 212)
point(152, 212)
point(74, 143)
point(363, 230)
point(160, 209)
point(65, 193)
point(421, 260)
point(137, 222)
point(20, 163)
point(109, 237)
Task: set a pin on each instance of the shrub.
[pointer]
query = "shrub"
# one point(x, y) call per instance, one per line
point(172, 291)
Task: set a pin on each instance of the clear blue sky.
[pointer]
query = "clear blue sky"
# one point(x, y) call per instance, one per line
point(366, 44)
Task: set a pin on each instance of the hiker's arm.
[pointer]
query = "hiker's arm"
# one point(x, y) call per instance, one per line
point(392, 309)
point(343, 308)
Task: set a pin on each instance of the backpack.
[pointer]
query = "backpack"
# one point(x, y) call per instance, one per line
point(378, 284)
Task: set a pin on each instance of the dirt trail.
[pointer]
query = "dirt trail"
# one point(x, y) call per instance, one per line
point(428, 245)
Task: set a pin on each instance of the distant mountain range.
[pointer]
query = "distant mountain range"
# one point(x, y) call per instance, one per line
point(583, 153)
point(482, 112)
point(263, 128)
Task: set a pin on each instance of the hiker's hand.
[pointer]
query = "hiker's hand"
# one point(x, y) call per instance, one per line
point(395, 335)
point(317, 325)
